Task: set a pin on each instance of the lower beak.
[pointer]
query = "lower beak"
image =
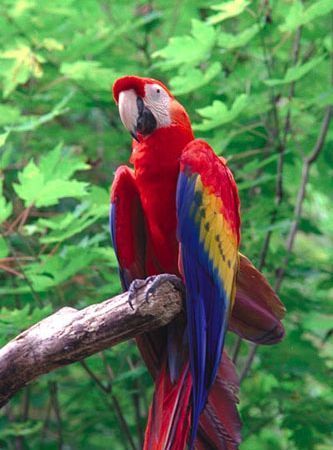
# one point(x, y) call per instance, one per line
point(134, 136)
point(146, 122)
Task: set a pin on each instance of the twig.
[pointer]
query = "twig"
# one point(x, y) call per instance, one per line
point(308, 161)
point(136, 403)
point(46, 421)
point(236, 349)
point(248, 363)
point(116, 404)
point(95, 378)
point(281, 149)
point(122, 420)
point(56, 408)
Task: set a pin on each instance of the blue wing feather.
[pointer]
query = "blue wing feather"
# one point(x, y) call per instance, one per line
point(206, 299)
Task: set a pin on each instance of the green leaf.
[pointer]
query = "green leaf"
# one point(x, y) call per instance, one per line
point(294, 18)
point(299, 15)
point(52, 44)
point(27, 428)
point(193, 79)
point(59, 164)
point(3, 138)
point(55, 270)
point(45, 184)
point(218, 114)
point(6, 208)
point(4, 249)
point(256, 164)
point(230, 41)
point(53, 190)
point(227, 10)
point(188, 50)
point(295, 73)
point(251, 183)
point(13, 321)
point(64, 226)
point(25, 64)
point(8, 114)
point(91, 73)
point(319, 324)
point(33, 122)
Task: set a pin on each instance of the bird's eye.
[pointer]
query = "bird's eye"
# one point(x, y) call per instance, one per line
point(158, 90)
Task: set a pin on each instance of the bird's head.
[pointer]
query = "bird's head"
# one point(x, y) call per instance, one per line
point(146, 105)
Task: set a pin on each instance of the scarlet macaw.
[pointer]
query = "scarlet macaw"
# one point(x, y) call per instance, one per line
point(177, 212)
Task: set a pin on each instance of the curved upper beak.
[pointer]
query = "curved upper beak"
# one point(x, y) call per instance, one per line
point(135, 116)
point(128, 111)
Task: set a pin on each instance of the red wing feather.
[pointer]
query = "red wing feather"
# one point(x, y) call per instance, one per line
point(127, 226)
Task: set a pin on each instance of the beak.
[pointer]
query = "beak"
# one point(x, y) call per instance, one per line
point(135, 116)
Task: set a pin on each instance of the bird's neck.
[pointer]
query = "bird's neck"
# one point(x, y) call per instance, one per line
point(162, 148)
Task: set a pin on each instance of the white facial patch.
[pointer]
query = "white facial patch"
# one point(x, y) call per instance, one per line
point(128, 109)
point(158, 101)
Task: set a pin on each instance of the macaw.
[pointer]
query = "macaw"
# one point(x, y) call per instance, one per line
point(178, 212)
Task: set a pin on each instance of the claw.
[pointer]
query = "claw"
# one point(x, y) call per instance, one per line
point(157, 280)
point(134, 286)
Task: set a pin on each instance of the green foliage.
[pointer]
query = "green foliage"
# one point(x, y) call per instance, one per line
point(218, 114)
point(295, 73)
point(233, 63)
point(46, 184)
point(196, 47)
point(227, 10)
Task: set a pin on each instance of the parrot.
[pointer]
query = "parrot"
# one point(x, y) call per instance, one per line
point(175, 212)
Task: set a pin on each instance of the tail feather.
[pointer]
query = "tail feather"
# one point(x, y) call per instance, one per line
point(169, 420)
point(220, 423)
point(257, 310)
point(256, 316)
point(169, 415)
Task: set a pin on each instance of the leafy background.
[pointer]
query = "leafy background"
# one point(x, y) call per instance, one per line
point(256, 78)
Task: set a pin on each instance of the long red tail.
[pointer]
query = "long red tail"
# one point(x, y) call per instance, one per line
point(169, 418)
point(169, 415)
point(256, 316)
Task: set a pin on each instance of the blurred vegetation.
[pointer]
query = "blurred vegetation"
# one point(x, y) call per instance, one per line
point(256, 79)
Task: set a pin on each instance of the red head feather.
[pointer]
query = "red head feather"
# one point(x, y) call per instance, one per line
point(136, 83)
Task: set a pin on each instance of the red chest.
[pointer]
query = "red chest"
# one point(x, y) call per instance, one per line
point(156, 163)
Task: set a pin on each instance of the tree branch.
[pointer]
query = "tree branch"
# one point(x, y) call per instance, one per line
point(70, 335)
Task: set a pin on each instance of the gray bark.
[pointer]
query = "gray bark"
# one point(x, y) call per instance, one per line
point(70, 335)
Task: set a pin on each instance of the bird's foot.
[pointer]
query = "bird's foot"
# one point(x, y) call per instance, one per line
point(158, 280)
point(134, 286)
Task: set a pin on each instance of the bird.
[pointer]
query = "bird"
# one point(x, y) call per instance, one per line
point(175, 214)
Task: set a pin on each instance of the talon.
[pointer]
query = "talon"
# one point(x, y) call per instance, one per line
point(134, 286)
point(158, 280)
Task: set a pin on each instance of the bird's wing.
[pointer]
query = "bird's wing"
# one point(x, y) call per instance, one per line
point(129, 237)
point(208, 233)
point(127, 226)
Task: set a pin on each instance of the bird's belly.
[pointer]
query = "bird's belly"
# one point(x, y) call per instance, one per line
point(159, 204)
